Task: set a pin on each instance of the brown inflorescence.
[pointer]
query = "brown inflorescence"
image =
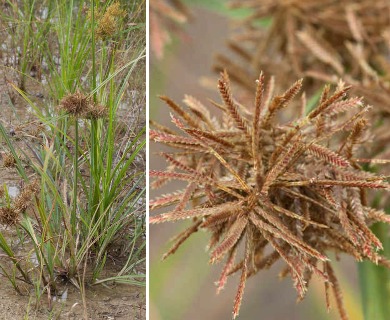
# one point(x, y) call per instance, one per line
point(321, 39)
point(75, 104)
point(8, 160)
point(23, 200)
point(108, 22)
point(82, 106)
point(289, 191)
point(10, 214)
point(96, 111)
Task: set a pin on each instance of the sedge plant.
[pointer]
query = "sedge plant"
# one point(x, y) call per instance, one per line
point(83, 174)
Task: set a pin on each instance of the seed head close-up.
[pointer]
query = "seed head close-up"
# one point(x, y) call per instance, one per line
point(322, 41)
point(269, 187)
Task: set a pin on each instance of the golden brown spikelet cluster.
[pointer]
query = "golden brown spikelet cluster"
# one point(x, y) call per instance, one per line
point(75, 104)
point(108, 21)
point(23, 200)
point(10, 214)
point(165, 17)
point(115, 10)
point(290, 191)
point(8, 160)
point(82, 106)
point(96, 111)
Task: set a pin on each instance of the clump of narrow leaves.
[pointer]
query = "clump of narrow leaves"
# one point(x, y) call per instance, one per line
point(290, 191)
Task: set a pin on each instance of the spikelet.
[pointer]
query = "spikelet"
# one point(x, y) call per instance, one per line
point(75, 104)
point(8, 160)
point(108, 21)
point(291, 190)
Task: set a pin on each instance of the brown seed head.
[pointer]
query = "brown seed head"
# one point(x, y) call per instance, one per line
point(75, 103)
point(108, 23)
point(8, 160)
point(8, 216)
point(23, 200)
point(96, 111)
point(292, 189)
point(115, 10)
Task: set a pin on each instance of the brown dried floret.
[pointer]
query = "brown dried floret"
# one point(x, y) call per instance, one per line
point(75, 104)
point(108, 22)
point(8, 160)
point(23, 200)
point(294, 189)
point(8, 215)
point(96, 111)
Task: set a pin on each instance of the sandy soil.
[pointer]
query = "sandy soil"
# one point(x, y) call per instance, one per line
point(119, 302)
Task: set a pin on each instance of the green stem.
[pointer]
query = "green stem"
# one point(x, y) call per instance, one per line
point(73, 217)
point(374, 282)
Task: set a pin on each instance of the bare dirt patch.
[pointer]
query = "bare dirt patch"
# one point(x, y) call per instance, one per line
point(118, 302)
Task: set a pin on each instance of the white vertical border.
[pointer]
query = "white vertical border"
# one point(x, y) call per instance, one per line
point(147, 157)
